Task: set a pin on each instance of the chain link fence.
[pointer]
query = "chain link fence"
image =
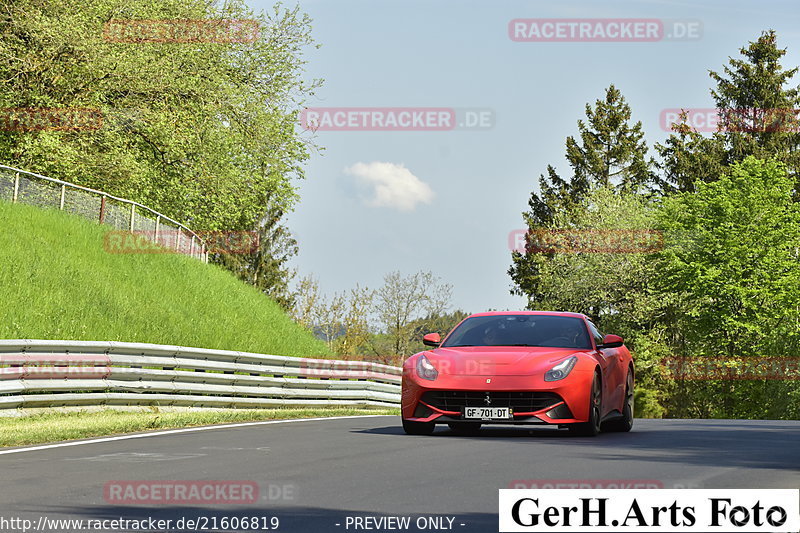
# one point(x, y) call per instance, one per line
point(20, 186)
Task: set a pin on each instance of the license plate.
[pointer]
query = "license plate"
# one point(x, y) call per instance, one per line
point(488, 413)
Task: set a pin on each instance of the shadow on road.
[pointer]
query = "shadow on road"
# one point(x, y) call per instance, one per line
point(723, 443)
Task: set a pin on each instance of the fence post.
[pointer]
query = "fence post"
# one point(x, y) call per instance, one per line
point(133, 213)
point(158, 223)
point(191, 249)
point(63, 192)
point(16, 188)
point(103, 209)
point(178, 235)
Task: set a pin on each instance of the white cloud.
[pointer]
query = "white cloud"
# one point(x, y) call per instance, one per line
point(391, 185)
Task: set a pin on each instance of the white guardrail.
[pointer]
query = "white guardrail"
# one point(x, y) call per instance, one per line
point(42, 373)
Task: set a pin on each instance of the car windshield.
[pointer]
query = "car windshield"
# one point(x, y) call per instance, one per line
point(520, 330)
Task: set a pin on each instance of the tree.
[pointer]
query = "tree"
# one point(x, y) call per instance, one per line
point(757, 116)
point(732, 254)
point(603, 268)
point(686, 157)
point(343, 322)
point(306, 298)
point(352, 343)
point(760, 112)
point(329, 319)
point(433, 323)
point(610, 152)
point(203, 132)
point(265, 267)
point(401, 300)
point(730, 283)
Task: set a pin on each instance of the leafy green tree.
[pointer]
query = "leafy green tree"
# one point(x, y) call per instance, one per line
point(732, 254)
point(404, 299)
point(201, 131)
point(353, 342)
point(604, 267)
point(433, 323)
point(731, 285)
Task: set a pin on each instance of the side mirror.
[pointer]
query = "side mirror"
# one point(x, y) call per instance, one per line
point(432, 339)
point(611, 341)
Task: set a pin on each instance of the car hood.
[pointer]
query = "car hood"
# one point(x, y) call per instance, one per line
point(497, 360)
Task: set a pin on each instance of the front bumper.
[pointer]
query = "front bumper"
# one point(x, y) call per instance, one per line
point(531, 399)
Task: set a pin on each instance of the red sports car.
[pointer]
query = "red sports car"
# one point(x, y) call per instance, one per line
point(526, 367)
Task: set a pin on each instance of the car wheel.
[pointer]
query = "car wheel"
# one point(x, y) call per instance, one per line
point(418, 428)
point(592, 426)
point(625, 423)
point(465, 428)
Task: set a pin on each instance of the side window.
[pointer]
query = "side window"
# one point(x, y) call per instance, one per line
point(598, 337)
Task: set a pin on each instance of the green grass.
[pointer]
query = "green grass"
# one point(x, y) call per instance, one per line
point(58, 282)
point(58, 426)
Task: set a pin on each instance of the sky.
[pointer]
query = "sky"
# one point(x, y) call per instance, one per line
point(446, 199)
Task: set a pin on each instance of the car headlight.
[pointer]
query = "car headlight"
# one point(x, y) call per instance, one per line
point(425, 369)
point(561, 370)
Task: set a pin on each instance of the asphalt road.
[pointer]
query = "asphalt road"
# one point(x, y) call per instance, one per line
point(313, 475)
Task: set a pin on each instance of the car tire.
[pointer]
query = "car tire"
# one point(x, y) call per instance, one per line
point(465, 428)
point(418, 428)
point(625, 422)
point(592, 427)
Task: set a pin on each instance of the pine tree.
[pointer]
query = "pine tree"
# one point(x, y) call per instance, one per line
point(757, 116)
point(266, 266)
point(609, 151)
point(688, 156)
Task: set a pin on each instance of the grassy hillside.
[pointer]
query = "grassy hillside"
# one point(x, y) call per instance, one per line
point(57, 282)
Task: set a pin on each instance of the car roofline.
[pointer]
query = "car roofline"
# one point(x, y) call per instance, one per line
point(548, 313)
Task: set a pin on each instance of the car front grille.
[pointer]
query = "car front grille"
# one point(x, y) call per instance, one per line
point(518, 401)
